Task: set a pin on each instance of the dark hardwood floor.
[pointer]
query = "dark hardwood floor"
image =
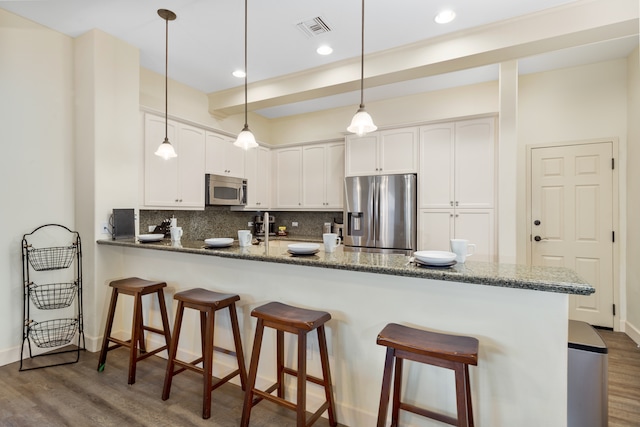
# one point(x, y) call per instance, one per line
point(78, 395)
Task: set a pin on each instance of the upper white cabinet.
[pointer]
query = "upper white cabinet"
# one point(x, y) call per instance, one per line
point(258, 174)
point(222, 157)
point(457, 164)
point(382, 153)
point(323, 176)
point(287, 174)
point(177, 182)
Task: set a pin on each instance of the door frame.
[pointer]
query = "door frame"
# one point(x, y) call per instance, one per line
point(615, 201)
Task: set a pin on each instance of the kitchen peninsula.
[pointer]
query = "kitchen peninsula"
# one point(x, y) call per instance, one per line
point(519, 314)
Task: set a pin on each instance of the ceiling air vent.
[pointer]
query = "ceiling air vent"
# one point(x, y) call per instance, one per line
point(314, 26)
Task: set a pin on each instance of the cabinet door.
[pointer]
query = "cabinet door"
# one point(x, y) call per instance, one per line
point(477, 226)
point(222, 157)
point(398, 151)
point(361, 155)
point(435, 229)
point(313, 176)
point(287, 177)
point(160, 175)
point(335, 176)
point(191, 166)
point(258, 174)
point(475, 163)
point(436, 166)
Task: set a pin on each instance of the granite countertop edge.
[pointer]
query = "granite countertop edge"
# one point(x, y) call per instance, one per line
point(546, 279)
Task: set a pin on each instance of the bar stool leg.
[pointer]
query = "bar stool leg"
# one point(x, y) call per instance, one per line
point(397, 387)
point(461, 387)
point(238, 344)
point(386, 387)
point(107, 330)
point(165, 318)
point(207, 362)
point(135, 337)
point(301, 400)
point(280, 362)
point(468, 395)
point(173, 349)
point(253, 372)
point(326, 374)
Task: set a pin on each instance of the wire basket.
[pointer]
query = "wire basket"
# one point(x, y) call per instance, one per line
point(53, 333)
point(53, 295)
point(53, 258)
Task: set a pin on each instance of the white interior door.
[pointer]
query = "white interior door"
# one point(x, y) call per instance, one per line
point(572, 221)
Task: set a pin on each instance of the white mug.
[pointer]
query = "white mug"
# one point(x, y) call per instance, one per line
point(462, 248)
point(331, 241)
point(244, 238)
point(176, 234)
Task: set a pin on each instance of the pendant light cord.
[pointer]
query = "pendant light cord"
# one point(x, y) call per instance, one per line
point(361, 61)
point(166, 79)
point(246, 125)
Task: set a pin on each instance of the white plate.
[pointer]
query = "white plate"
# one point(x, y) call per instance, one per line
point(218, 242)
point(443, 265)
point(150, 237)
point(434, 257)
point(304, 253)
point(303, 248)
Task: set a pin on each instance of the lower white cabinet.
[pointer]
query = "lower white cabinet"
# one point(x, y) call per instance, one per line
point(258, 174)
point(178, 182)
point(437, 226)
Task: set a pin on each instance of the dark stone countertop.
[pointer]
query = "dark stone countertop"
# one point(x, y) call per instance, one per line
point(547, 279)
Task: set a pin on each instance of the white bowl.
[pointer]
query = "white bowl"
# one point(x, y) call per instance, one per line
point(150, 237)
point(435, 257)
point(218, 242)
point(303, 248)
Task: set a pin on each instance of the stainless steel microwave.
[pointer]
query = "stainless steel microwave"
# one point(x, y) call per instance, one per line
point(225, 190)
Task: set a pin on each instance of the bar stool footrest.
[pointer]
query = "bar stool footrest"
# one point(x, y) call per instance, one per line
point(310, 378)
point(428, 413)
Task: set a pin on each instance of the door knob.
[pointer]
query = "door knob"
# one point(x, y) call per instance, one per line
point(536, 222)
point(538, 238)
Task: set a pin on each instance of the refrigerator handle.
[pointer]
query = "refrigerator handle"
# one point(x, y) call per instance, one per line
point(376, 210)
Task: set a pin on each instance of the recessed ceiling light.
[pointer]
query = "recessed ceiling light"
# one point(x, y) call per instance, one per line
point(324, 50)
point(445, 17)
point(239, 74)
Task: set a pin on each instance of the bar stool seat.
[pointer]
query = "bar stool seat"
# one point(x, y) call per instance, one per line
point(137, 288)
point(207, 303)
point(285, 318)
point(443, 350)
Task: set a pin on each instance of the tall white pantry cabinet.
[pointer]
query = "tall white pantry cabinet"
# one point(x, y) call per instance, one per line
point(457, 177)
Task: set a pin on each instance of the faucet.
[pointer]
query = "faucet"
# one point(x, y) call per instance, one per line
point(266, 230)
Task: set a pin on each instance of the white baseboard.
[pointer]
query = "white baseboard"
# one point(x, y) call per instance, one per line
point(632, 332)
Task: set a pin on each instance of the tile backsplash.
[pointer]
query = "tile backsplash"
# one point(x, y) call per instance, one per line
point(220, 221)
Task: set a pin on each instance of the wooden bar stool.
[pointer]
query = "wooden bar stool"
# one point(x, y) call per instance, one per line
point(207, 303)
point(446, 351)
point(284, 318)
point(137, 288)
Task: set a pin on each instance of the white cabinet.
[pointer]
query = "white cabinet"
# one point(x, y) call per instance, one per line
point(323, 176)
point(438, 226)
point(381, 153)
point(456, 189)
point(258, 174)
point(222, 157)
point(177, 182)
point(287, 173)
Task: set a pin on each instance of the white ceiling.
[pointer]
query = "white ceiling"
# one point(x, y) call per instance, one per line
point(206, 39)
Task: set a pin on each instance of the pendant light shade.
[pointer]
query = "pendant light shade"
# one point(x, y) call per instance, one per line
point(165, 150)
point(245, 139)
point(362, 122)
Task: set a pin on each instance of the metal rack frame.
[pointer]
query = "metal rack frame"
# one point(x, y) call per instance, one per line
point(53, 333)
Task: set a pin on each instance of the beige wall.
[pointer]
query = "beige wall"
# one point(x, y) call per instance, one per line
point(37, 164)
point(633, 199)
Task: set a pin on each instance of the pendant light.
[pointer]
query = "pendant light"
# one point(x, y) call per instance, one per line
point(362, 122)
point(245, 138)
point(165, 150)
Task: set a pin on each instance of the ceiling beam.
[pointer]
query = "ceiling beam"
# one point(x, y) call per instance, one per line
point(572, 25)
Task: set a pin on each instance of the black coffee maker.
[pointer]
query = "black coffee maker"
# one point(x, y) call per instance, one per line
point(259, 226)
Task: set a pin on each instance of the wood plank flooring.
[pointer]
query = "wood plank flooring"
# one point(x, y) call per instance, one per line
point(78, 395)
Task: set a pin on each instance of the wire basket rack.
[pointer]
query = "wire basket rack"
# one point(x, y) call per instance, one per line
point(53, 333)
point(53, 295)
point(53, 258)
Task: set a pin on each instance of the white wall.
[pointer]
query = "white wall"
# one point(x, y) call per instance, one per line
point(37, 164)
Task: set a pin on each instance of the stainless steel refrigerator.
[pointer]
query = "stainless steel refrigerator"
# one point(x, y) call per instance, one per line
point(380, 213)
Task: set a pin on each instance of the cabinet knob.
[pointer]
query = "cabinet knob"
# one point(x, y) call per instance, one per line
point(451, 203)
point(456, 203)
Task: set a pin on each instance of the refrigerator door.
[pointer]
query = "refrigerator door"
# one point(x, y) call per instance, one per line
point(358, 215)
point(395, 210)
